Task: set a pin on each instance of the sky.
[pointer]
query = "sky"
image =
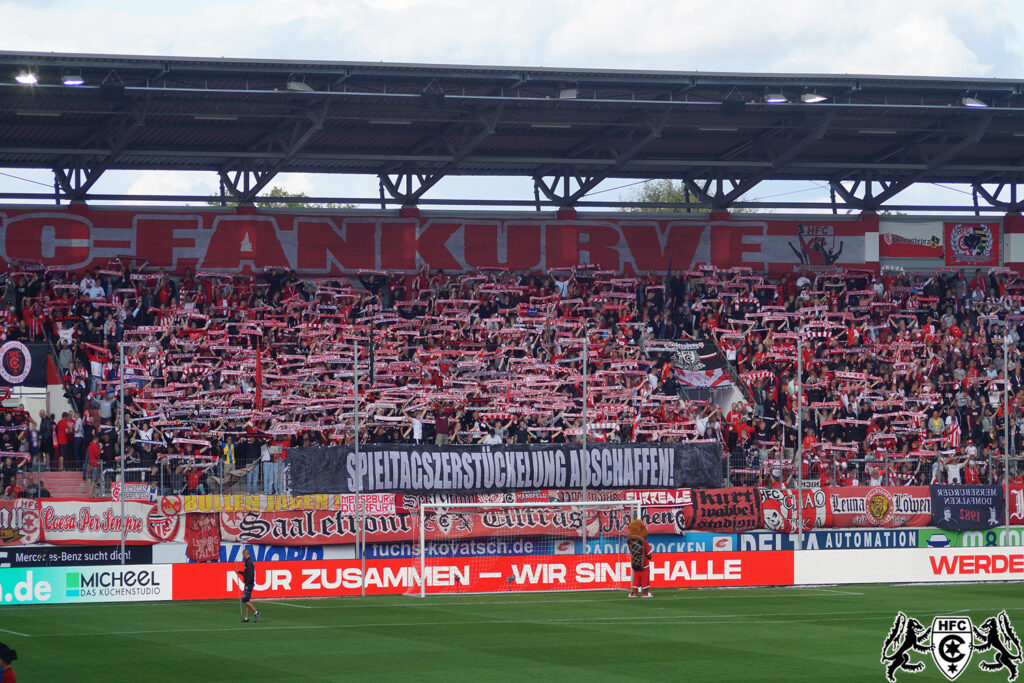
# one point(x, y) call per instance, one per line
point(972, 38)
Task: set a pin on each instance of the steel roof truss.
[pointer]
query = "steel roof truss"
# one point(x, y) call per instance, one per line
point(76, 174)
point(289, 144)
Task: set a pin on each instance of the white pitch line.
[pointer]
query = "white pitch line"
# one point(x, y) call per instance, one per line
point(15, 633)
point(446, 599)
point(289, 604)
point(835, 592)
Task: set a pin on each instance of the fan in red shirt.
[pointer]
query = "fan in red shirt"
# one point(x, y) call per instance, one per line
point(65, 434)
point(639, 559)
point(971, 473)
point(807, 447)
point(7, 657)
point(94, 454)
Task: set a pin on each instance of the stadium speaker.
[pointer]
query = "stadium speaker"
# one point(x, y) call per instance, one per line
point(432, 100)
point(112, 92)
point(733, 107)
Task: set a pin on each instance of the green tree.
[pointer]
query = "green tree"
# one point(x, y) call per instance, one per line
point(660, 191)
point(666, 191)
point(267, 201)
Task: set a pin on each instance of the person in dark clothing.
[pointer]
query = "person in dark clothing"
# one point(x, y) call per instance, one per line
point(248, 574)
point(7, 658)
point(8, 473)
point(46, 438)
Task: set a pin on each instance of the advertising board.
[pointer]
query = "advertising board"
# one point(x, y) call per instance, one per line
point(52, 585)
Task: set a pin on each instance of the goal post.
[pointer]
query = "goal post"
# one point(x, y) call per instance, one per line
point(527, 546)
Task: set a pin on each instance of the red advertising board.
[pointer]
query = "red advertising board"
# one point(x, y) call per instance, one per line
point(482, 575)
point(229, 240)
point(971, 243)
point(878, 506)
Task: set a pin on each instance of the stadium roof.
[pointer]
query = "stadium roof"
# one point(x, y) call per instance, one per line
point(870, 137)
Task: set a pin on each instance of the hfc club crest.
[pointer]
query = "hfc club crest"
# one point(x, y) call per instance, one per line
point(952, 641)
point(952, 644)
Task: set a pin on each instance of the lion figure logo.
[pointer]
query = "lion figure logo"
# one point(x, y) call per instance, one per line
point(879, 506)
point(907, 635)
point(996, 633)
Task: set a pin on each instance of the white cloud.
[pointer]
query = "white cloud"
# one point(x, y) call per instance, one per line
point(295, 183)
point(916, 37)
point(924, 37)
point(157, 183)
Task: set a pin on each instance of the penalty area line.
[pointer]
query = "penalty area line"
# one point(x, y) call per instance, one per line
point(15, 633)
point(289, 604)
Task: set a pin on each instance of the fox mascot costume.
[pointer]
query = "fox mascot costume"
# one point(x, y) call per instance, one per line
point(639, 559)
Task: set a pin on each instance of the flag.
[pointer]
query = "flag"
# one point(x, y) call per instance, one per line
point(373, 326)
point(259, 374)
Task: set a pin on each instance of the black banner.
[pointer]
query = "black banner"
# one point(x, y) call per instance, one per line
point(73, 555)
point(22, 364)
point(480, 469)
point(967, 507)
point(728, 510)
point(698, 364)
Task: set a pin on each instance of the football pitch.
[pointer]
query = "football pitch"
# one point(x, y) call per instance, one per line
point(783, 634)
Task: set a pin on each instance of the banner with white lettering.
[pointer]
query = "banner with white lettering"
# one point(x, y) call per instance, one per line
point(490, 574)
point(213, 239)
point(780, 512)
point(967, 507)
point(480, 469)
point(878, 506)
point(71, 556)
point(99, 522)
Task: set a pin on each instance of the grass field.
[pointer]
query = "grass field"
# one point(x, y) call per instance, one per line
point(833, 633)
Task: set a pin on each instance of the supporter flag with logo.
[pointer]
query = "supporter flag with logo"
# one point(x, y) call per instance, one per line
point(22, 364)
point(698, 364)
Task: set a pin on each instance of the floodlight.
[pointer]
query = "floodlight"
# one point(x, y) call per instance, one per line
point(812, 98)
point(72, 77)
point(775, 98)
point(295, 85)
point(969, 101)
point(27, 77)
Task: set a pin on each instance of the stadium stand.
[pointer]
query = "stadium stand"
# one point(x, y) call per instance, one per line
point(902, 372)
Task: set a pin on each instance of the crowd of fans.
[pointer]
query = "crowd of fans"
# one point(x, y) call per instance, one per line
point(902, 373)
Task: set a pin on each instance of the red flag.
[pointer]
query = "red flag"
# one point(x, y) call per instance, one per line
point(259, 374)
